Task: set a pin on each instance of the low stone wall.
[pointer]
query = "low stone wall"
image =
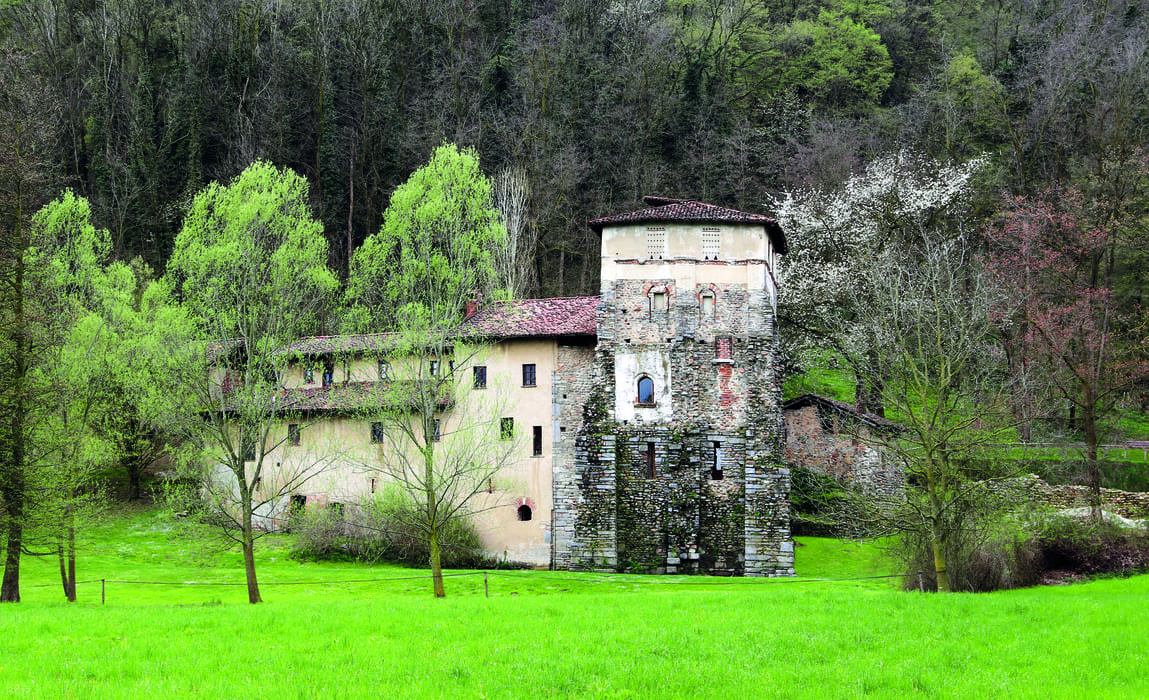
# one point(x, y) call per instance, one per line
point(1124, 503)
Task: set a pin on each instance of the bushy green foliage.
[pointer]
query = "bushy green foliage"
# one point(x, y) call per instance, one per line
point(994, 551)
point(386, 529)
point(816, 503)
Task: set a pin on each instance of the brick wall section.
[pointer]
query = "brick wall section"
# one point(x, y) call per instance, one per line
point(1032, 489)
point(843, 454)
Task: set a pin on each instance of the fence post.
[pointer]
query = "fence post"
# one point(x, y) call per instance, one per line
point(103, 598)
point(486, 588)
point(921, 583)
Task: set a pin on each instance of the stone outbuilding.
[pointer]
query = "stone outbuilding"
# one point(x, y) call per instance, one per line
point(835, 439)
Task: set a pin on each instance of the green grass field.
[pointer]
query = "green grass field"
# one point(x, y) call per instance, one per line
point(549, 634)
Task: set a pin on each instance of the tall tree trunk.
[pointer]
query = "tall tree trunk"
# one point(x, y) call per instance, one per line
point(433, 518)
point(66, 553)
point(13, 480)
point(248, 538)
point(1092, 469)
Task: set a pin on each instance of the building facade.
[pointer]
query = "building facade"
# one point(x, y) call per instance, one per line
point(647, 420)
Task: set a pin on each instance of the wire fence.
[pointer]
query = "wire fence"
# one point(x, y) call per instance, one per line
point(653, 581)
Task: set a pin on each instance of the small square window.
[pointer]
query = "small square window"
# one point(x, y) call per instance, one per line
point(537, 442)
point(506, 428)
point(293, 435)
point(480, 377)
point(378, 434)
point(384, 369)
point(529, 375)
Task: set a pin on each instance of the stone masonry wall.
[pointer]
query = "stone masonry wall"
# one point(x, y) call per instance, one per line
point(842, 453)
point(573, 383)
point(1032, 489)
point(687, 516)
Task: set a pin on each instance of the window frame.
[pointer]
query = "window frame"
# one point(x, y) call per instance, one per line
point(294, 434)
point(480, 377)
point(537, 441)
point(506, 428)
point(645, 378)
point(531, 373)
point(378, 433)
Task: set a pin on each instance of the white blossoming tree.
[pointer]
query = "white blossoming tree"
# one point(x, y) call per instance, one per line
point(836, 236)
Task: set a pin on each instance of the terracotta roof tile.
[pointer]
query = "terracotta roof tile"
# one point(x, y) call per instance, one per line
point(665, 209)
point(342, 344)
point(535, 318)
point(344, 397)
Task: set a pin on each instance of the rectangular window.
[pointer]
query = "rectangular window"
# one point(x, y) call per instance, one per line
point(481, 377)
point(658, 303)
point(336, 510)
point(309, 374)
point(707, 303)
point(651, 472)
point(506, 428)
point(377, 432)
point(529, 375)
point(434, 368)
point(537, 444)
point(384, 369)
point(716, 467)
point(435, 434)
point(293, 434)
point(328, 373)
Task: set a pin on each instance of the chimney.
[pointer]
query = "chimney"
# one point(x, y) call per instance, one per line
point(472, 304)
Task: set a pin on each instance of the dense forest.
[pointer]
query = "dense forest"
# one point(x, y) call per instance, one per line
point(141, 103)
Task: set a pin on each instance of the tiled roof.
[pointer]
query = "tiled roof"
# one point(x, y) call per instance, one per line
point(842, 407)
point(342, 344)
point(664, 209)
point(345, 397)
point(534, 317)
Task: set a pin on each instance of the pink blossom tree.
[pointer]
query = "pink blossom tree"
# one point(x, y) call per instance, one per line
point(1068, 327)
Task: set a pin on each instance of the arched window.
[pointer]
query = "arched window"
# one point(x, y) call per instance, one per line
point(645, 390)
point(524, 512)
point(706, 301)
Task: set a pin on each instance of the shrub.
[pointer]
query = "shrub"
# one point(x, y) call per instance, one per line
point(817, 503)
point(985, 551)
point(386, 529)
point(1084, 547)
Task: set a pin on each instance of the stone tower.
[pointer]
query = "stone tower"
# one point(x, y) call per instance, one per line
point(676, 467)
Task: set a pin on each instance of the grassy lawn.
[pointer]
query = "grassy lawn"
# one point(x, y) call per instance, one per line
point(551, 634)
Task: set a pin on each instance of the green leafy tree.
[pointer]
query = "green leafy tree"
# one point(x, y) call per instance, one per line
point(840, 63)
point(250, 270)
point(435, 251)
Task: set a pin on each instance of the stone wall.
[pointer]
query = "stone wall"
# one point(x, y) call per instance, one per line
point(696, 485)
point(1032, 489)
point(827, 445)
point(572, 386)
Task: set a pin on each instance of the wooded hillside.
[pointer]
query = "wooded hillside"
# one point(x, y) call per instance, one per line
point(597, 101)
